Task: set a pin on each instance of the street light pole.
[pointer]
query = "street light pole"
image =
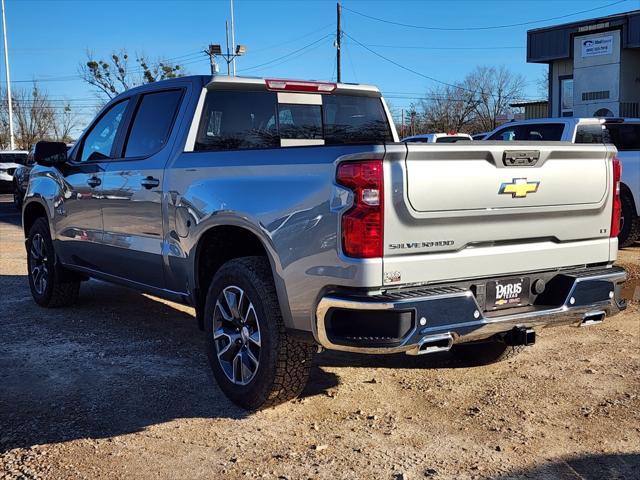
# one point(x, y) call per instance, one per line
point(233, 38)
point(6, 64)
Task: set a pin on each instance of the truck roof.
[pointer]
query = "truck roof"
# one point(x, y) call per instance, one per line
point(240, 83)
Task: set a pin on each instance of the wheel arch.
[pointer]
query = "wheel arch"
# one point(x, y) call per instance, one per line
point(32, 210)
point(223, 242)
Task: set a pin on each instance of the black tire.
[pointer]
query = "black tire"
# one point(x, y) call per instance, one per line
point(283, 364)
point(60, 287)
point(484, 353)
point(630, 231)
point(17, 197)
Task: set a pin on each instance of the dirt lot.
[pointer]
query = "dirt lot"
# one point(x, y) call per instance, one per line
point(119, 387)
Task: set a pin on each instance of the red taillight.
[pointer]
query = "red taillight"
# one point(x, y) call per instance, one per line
point(300, 86)
point(617, 204)
point(363, 223)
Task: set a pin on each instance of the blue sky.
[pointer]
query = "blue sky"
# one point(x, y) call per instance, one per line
point(49, 38)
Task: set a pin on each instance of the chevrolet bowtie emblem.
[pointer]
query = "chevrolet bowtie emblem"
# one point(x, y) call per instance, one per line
point(519, 188)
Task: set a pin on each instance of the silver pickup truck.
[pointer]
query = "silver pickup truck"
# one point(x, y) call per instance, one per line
point(289, 215)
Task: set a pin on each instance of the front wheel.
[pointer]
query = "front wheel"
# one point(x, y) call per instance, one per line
point(50, 283)
point(255, 362)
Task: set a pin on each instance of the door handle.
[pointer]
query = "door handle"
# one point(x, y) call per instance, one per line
point(149, 182)
point(94, 182)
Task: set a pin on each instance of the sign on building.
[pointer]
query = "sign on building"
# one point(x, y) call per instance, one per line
point(592, 47)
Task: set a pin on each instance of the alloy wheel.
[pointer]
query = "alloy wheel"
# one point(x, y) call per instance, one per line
point(236, 335)
point(38, 264)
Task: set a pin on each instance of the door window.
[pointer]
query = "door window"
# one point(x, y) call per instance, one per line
point(152, 123)
point(99, 141)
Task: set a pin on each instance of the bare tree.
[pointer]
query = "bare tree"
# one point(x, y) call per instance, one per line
point(473, 105)
point(113, 76)
point(35, 118)
point(449, 108)
point(495, 88)
point(542, 84)
point(66, 123)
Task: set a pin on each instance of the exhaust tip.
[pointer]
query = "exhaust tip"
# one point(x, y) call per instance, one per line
point(593, 318)
point(432, 344)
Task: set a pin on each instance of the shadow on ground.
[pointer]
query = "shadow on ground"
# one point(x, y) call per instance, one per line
point(584, 467)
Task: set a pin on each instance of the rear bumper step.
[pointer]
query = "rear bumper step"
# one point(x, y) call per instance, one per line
point(432, 320)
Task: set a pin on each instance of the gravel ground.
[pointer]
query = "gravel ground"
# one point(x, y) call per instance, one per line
point(119, 387)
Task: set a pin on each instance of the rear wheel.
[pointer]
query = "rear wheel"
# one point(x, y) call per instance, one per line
point(485, 353)
point(255, 362)
point(51, 284)
point(630, 223)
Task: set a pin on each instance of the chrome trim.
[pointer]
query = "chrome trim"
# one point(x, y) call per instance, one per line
point(484, 327)
point(418, 350)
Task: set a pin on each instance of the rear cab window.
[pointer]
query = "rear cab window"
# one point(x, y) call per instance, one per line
point(451, 139)
point(233, 120)
point(591, 133)
point(531, 132)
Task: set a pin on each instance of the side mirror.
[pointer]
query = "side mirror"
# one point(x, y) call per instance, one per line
point(50, 153)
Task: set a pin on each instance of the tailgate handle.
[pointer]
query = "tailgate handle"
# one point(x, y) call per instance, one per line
point(520, 158)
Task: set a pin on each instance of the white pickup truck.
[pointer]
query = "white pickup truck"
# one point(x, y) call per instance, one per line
point(624, 133)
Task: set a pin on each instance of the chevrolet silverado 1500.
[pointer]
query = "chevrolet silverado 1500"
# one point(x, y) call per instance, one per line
point(289, 215)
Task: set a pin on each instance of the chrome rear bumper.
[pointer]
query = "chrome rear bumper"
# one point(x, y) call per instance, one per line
point(582, 297)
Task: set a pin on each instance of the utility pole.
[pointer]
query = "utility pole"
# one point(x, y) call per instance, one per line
point(338, 41)
point(402, 126)
point(6, 64)
point(233, 38)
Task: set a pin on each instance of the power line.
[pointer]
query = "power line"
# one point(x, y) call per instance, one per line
point(421, 47)
point(289, 54)
point(415, 72)
point(489, 27)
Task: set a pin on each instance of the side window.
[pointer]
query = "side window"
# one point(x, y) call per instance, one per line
point(625, 136)
point(152, 123)
point(506, 134)
point(300, 121)
point(591, 134)
point(98, 142)
point(238, 120)
point(540, 132)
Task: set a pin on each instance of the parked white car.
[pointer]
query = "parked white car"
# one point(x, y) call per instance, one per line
point(9, 161)
point(437, 138)
point(624, 133)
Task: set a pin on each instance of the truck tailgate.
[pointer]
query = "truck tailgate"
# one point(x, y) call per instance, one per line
point(492, 208)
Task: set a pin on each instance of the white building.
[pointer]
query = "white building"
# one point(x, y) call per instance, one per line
point(594, 65)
